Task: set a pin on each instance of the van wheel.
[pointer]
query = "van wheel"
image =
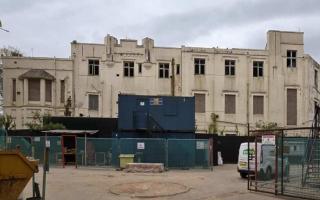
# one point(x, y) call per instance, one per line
point(268, 173)
point(243, 175)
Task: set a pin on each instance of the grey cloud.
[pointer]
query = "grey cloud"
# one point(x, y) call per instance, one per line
point(185, 26)
point(49, 26)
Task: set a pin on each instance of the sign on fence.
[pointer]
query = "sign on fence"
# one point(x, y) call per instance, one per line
point(140, 145)
point(269, 139)
point(200, 145)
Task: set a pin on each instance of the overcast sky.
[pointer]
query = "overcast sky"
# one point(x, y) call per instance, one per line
point(46, 27)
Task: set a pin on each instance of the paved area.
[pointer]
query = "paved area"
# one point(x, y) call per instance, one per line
point(223, 183)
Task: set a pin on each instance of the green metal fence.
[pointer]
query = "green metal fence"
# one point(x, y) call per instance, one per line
point(173, 153)
point(293, 162)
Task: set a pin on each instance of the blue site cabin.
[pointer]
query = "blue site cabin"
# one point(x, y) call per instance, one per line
point(155, 116)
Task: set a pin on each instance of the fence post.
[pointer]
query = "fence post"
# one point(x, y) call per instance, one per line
point(85, 149)
point(248, 182)
point(210, 149)
point(166, 152)
point(277, 168)
point(282, 162)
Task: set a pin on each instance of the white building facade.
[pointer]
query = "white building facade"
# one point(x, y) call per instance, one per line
point(240, 86)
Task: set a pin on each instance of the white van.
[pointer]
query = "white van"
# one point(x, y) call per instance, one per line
point(265, 160)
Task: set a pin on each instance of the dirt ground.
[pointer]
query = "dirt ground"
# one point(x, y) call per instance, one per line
point(223, 183)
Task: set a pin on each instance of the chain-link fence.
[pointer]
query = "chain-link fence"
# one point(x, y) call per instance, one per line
point(285, 162)
point(173, 153)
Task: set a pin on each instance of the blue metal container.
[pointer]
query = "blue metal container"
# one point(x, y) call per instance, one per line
point(156, 113)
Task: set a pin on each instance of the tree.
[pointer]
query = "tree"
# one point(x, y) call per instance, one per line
point(42, 122)
point(7, 122)
point(266, 125)
point(213, 125)
point(10, 51)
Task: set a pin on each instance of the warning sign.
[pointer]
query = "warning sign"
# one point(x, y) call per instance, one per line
point(269, 139)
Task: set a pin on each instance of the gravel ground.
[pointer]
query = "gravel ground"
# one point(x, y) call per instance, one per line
point(223, 183)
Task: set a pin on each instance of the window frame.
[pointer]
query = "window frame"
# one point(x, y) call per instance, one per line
point(291, 59)
point(14, 90)
point(62, 91)
point(257, 111)
point(226, 109)
point(316, 79)
point(230, 67)
point(199, 108)
point(164, 70)
point(199, 66)
point(128, 69)
point(90, 106)
point(257, 68)
point(178, 69)
point(48, 91)
point(140, 68)
point(32, 96)
point(93, 67)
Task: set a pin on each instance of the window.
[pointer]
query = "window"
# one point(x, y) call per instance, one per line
point(257, 68)
point(93, 67)
point(199, 64)
point(229, 67)
point(48, 90)
point(14, 89)
point(258, 105)
point(62, 91)
point(140, 68)
point(178, 69)
point(163, 70)
point(93, 102)
point(34, 89)
point(316, 79)
point(200, 103)
point(291, 58)
point(128, 68)
point(230, 104)
point(291, 106)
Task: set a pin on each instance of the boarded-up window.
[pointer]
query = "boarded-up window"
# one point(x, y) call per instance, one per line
point(230, 103)
point(257, 105)
point(291, 107)
point(34, 89)
point(62, 91)
point(93, 102)
point(200, 101)
point(48, 90)
point(14, 89)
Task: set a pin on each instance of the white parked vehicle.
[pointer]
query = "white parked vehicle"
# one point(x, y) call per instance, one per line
point(265, 160)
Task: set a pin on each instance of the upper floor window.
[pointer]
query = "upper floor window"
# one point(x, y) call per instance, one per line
point(258, 105)
point(14, 89)
point(257, 68)
point(229, 104)
point(93, 102)
point(62, 91)
point(93, 66)
point(316, 79)
point(200, 103)
point(140, 68)
point(178, 69)
point(128, 67)
point(199, 66)
point(34, 89)
point(48, 94)
point(163, 70)
point(291, 58)
point(229, 66)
